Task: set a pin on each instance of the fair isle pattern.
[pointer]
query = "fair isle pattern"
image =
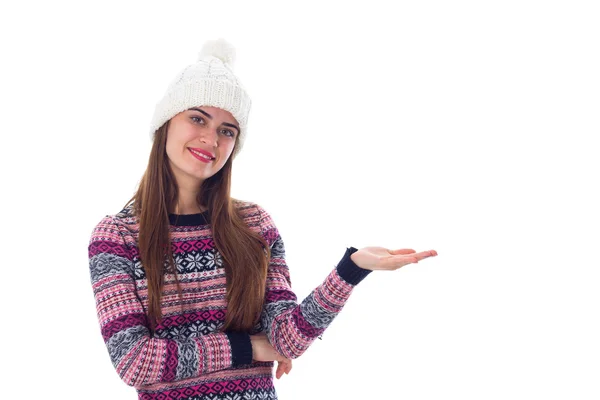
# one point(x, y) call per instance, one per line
point(189, 357)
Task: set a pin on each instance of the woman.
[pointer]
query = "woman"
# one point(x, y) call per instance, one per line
point(193, 293)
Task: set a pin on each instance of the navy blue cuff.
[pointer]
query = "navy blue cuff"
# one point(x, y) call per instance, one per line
point(349, 271)
point(241, 348)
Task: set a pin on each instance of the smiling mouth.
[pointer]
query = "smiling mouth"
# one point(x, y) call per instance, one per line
point(201, 156)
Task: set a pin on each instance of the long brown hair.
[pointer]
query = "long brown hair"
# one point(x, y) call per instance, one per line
point(245, 254)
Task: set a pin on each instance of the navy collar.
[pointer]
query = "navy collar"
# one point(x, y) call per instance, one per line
point(202, 218)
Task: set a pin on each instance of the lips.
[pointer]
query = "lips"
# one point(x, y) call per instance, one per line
point(206, 153)
point(204, 159)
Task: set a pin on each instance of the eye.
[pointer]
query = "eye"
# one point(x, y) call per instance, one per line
point(194, 118)
point(231, 134)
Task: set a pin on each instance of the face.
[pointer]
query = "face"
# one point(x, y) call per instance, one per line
point(204, 130)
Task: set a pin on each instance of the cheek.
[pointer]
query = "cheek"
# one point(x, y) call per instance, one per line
point(227, 155)
point(175, 150)
point(176, 140)
point(170, 147)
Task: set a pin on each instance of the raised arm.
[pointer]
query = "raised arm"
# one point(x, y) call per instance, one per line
point(291, 327)
point(139, 358)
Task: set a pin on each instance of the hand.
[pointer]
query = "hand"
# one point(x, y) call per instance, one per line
point(262, 350)
point(283, 367)
point(380, 258)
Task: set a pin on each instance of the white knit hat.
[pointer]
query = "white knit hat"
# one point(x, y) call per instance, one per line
point(208, 82)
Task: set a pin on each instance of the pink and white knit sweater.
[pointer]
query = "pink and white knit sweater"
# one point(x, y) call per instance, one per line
point(189, 357)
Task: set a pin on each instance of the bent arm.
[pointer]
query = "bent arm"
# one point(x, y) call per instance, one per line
point(291, 327)
point(139, 358)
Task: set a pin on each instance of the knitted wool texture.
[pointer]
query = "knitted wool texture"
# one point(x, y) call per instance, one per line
point(208, 82)
point(189, 357)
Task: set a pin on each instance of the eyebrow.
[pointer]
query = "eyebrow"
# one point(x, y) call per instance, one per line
point(210, 117)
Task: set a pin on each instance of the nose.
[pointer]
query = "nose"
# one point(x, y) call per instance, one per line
point(210, 137)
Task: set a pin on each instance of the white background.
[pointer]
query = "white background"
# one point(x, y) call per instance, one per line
point(466, 127)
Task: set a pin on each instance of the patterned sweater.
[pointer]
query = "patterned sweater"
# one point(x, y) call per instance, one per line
point(189, 357)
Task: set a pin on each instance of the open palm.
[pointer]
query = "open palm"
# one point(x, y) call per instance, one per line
point(379, 258)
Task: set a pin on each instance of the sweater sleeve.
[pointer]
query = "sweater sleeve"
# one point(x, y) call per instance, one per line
point(139, 358)
point(291, 327)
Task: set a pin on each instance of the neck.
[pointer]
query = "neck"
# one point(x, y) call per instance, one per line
point(187, 193)
point(187, 205)
point(189, 210)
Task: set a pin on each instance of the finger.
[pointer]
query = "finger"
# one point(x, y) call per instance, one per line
point(425, 254)
point(287, 365)
point(280, 370)
point(402, 251)
point(400, 260)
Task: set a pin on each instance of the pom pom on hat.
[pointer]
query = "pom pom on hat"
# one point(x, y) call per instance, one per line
point(220, 49)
